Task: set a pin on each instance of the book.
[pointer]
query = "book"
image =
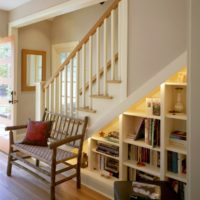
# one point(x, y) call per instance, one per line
point(140, 130)
point(145, 190)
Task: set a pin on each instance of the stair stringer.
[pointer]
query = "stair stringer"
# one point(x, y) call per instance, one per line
point(121, 105)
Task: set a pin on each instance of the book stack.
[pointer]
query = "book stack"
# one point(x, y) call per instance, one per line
point(113, 136)
point(144, 155)
point(112, 166)
point(176, 162)
point(142, 176)
point(145, 191)
point(152, 132)
point(108, 149)
point(107, 167)
point(172, 165)
point(178, 137)
point(147, 130)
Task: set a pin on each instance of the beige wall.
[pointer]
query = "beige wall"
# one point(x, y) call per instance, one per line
point(194, 101)
point(157, 35)
point(40, 36)
point(3, 23)
point(73, 26)
point(34, 37)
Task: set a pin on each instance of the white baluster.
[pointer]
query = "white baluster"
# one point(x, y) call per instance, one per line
point(105, 57)
point(77, 79)
point(113, 45)
point(46, 100)
point(55, 91)
point(60, 92)
point(119, 41)
point(66, 89)
point(50, 97)
point(39, 100)
point(83, 75)
point(71, 86)
point(90, 72)
point(98, 62)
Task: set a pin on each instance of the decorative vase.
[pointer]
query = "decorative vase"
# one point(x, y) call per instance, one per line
point(178, 106)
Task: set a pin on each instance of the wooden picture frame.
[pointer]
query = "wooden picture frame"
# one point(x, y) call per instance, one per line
point(24, 78)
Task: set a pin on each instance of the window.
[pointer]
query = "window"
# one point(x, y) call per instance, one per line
point(60, 54)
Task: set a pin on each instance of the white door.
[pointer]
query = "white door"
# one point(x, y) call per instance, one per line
point(7, 95)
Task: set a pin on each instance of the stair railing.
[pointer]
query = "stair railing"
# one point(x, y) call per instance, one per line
point(87, 70)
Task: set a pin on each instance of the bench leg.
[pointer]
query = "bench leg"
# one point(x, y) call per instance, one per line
point(9, 166)
point(37, 163)
point(53, 175)
point(52, 193)
point(78, 177)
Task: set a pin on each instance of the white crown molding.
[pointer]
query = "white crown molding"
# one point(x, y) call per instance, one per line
point(60, 9)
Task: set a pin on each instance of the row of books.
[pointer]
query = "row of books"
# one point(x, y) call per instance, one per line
point(136, 175)
point(148, 130)
point(108, 149)
point(144, 155)
point(178, 137)
point(176, 162)
point(105, 164)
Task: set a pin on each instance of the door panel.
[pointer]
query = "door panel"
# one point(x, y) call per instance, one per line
point(6, 85)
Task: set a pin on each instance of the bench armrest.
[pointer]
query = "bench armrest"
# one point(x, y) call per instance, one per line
point(64, 141)
point(12, 128)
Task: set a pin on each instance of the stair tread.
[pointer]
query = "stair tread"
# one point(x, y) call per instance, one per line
point(101, 96)
point(86, 109)
point(114, 81)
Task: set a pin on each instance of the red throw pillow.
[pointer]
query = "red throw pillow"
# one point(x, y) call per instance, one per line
point(38, 133)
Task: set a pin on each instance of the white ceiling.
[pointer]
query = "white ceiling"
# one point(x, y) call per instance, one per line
point(11, 4)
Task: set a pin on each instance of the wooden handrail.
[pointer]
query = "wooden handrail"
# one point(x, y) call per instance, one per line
point(83, 41)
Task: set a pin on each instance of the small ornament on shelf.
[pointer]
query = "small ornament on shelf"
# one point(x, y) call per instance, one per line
point(101, 134)
point(84, 160)
point(181, 78)
point(156, 106)
point(149, 106)
point(178, 106)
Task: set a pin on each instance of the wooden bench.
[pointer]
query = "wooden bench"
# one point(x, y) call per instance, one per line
point(66, 131)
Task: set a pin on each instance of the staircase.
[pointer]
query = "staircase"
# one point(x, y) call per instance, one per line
point(90, 80)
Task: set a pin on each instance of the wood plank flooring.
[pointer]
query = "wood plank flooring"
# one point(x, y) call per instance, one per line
point(23, 186)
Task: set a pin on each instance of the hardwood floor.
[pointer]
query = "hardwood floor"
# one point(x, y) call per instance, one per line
point(23, 186)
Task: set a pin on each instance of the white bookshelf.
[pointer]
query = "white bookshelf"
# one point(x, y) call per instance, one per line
point(176, 148)
point(142, 114)
point(179, 177)
point(181, 116)
point(104, 154)
point(104, 140)
point(141, 143)
point(147, 168)
point(169, 121)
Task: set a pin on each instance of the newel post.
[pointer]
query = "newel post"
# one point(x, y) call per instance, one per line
point(39, 100)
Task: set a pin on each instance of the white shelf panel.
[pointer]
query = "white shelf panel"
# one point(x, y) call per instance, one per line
point(96, 175)
point(179, 177)
point(142, 114)
point(180, 116)
point(176, 148)
point(102, 139)
point(104, 154)
point(140, 143)
point(147, 168)
point(175, 84)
